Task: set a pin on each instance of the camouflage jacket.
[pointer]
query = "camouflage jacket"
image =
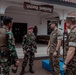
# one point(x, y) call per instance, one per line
point(72, 39)
point(8, 43)
point(54, 36)
point(11, 43)
point(29, 43)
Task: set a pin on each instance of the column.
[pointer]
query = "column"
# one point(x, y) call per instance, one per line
point(62, 18)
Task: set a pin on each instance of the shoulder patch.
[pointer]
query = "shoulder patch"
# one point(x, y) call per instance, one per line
point(74, 30)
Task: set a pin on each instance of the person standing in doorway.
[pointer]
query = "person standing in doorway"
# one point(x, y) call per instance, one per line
point(35, 30)
point(53, 48)
point(29, 49)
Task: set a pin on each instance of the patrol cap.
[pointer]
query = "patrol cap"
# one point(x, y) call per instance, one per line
point(7, 19)
point(30, 27)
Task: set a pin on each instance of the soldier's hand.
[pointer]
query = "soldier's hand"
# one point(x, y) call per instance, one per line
point(64, 67)
point(47, 51)
point(36, 51)
point(24, 52)
point(17, 63)
point(55, 54)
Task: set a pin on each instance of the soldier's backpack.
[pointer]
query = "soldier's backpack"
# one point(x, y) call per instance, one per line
point(3, 41)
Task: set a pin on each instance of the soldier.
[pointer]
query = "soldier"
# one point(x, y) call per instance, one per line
point(70, 59)
point(8, 55)
point(35, 30)
point(29, 48)
point(53, 48)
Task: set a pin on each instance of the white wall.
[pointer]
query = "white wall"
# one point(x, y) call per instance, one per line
point(43, 28)
point(31, 20)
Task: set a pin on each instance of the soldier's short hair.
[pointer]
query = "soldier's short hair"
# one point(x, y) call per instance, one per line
point(7, 20)
point(71, 20)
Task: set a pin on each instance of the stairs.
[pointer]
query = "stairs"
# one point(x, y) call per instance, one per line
point(41, 51)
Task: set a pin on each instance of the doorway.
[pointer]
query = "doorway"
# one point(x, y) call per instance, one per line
point(19, 30)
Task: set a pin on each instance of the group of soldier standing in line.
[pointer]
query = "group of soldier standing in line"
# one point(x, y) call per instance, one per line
point(69, 48)
point(8, 54)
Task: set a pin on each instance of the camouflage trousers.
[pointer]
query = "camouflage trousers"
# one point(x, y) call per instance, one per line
point(5, 62)
point(28, 56)
point(54, 64)
point(71, 68)
point(4, 67)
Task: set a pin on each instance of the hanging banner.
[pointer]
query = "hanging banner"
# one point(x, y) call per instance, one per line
point(42, 8)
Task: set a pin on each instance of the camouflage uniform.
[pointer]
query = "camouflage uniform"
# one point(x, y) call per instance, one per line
point(8, 53)
point(71, 67)
point(29, 45)
point(54, 62)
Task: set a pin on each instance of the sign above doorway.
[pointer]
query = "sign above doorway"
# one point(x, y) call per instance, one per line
point(42, 8)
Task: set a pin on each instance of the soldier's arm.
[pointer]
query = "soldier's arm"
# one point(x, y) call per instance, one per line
point(11, 48)
point(9, 40)
point(48, 45)
point(34, 44)
point(35, 47)
point(47, 50)
point(70, 55)
point(59, 40)
point(24, 43)
point(72, 46)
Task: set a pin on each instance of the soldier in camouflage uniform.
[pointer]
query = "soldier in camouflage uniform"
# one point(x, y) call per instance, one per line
point(8, 55)
point(29, 48)
point(53, 46)
point(70, 52)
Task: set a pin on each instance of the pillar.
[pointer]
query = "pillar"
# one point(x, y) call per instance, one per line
point(62, 18)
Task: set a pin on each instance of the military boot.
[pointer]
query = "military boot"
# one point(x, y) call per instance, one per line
point(22, 71)
point(31, 70)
